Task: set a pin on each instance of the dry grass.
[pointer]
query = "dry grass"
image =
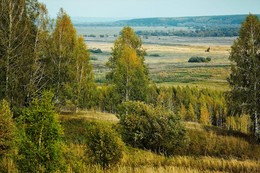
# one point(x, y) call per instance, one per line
point(90, 115)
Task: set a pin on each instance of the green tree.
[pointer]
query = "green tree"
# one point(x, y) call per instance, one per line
point(40, 148)
point(84, 84)
point(39, 53)
point(128, 71)
point(17, 35)
point(244, 79)
point(7, 130)
point(63, 59)
point(130, 80)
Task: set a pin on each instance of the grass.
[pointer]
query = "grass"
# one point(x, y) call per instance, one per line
point(89, 115)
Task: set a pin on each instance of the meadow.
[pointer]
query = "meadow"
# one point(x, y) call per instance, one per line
point(167, 57)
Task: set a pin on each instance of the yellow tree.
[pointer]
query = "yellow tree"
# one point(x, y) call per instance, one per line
point(84, 84)
point(190, 116)
point(130, 78)
point(183, 111)
point(63, 61)
point(204, 115)
point(128, 71)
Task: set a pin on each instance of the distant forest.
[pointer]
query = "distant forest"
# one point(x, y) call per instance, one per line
point(203, 26)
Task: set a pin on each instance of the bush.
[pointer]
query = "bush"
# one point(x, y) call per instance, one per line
point(104, 145)
point(154, 55)
point(95, 50)
point(153, 128)
point(199, 59)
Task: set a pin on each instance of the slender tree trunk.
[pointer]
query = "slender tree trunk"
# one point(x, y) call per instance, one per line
point(59, 66)
point(9, 48)
point(256, 129)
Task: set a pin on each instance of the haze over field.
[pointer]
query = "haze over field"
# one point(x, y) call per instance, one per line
point(151, 8)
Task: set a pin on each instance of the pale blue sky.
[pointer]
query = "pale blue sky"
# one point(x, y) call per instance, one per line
point(151, 8)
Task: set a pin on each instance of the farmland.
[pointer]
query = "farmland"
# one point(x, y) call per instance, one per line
point(167, 56)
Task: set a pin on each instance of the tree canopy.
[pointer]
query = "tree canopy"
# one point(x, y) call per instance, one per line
point(128, 72)
point(244, 79)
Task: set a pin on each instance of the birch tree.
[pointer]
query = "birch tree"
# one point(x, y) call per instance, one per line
point(128, 72)
point(244, 79)
point(14, 32)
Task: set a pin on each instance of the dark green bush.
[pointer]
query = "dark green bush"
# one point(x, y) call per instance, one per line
point(152, 128)
point(104, 145)
point(95, 50)
point(199, 59)
point(154, 55)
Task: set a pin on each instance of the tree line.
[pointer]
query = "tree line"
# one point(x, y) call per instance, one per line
point(37, 56)
point(196, 32)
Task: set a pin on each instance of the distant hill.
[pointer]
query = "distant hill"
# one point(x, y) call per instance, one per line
point(212, 21)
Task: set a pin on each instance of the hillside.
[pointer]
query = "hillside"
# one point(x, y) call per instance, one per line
point(211, 149)
point(194, 21)
point(213, 21)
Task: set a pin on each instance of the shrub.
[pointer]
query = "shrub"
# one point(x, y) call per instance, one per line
point(152, 128)
point(104, 145)
point(95, 50)
point(199, 59)
point(154, 55)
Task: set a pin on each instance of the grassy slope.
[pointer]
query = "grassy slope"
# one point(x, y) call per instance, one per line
point(136, 160)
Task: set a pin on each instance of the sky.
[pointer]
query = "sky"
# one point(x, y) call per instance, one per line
point(151, 8)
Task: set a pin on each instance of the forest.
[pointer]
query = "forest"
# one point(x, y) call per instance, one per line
point(55, 117)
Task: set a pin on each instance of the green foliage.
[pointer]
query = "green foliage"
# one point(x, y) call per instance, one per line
point(22, 42)
point(199, 59)
point(104, 146)
point(244, 78)
point(151, 128)
point(128, 71)
point(40, 146)
point(101, 144)
point(7, 130)
point(210, 149)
